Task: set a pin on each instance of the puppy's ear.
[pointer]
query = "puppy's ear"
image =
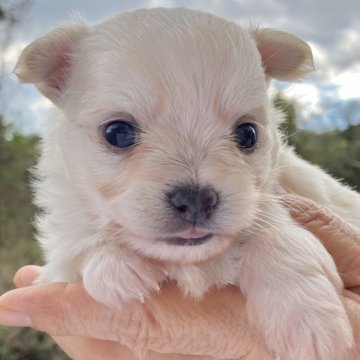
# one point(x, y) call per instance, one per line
point(46, 62)
point(284, 56)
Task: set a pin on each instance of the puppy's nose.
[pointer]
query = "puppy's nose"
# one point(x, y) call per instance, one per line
point(192, 203)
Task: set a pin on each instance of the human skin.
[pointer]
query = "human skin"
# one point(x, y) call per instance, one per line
point(167, 324)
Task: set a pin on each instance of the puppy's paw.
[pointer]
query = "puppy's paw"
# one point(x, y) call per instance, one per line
point(114, 276)
point(302, 324)
point(59, 272)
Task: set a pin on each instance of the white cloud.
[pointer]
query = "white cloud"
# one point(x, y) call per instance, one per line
point(347, 50)
point(161, 3)
point(40, 108)
point(307, 98)
point(348, 83)
point(10, 56)
point(12, 52)
point(323, 66)
point(41, 104)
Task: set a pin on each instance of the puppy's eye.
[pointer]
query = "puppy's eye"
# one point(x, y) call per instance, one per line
point(246, 136)
point(120, 133)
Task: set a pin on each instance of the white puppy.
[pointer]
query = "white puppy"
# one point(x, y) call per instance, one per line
point(162, 163)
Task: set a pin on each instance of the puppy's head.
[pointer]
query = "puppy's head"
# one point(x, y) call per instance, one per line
point(167, 135)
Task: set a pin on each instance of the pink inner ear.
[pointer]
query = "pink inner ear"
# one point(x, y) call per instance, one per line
point(59, 70)
point(47, 61)
point(280, 59)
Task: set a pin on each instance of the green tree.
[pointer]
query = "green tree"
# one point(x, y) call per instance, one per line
point(336, 151)
point(17, 155)
point(17, 244)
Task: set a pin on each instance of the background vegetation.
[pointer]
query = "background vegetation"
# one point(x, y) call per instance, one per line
point(17, 243)
point(337, 151)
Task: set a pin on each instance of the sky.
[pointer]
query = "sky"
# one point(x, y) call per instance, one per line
point(328, 98)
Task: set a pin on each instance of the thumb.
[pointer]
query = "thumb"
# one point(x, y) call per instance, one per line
point(62, 309)
point(26, 275)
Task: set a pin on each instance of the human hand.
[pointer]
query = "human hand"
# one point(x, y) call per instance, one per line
point(341, 239)
point(166, 324)
point(169, 323)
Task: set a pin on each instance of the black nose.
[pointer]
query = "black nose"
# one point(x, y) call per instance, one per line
point(193, 204)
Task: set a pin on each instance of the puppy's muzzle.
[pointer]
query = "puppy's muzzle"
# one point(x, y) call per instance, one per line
point(193, 204)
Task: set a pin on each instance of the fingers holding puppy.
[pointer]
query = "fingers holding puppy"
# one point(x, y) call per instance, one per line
point(26, 275)
point(341, 239)
point(166, 323)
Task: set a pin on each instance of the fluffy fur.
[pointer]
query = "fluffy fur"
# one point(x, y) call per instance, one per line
point(186, 78)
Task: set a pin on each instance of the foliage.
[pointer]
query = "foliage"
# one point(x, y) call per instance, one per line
point(27, 344)
point(336, 151)
point(17, 244)
point(17, 155)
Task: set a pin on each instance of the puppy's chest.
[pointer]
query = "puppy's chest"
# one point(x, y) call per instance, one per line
point(196, 279)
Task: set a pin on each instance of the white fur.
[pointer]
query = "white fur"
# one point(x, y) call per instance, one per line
point(186, 77)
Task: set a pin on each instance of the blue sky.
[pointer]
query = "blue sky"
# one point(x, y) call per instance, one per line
point(330, 97)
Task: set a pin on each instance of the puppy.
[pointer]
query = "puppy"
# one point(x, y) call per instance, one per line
point(162, 164)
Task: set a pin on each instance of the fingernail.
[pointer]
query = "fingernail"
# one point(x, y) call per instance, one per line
point(14, 318)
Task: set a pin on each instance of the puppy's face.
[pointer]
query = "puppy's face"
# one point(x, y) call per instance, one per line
point(167, 138)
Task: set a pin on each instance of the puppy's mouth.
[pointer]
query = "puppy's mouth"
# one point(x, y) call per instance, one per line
point(189, 238)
